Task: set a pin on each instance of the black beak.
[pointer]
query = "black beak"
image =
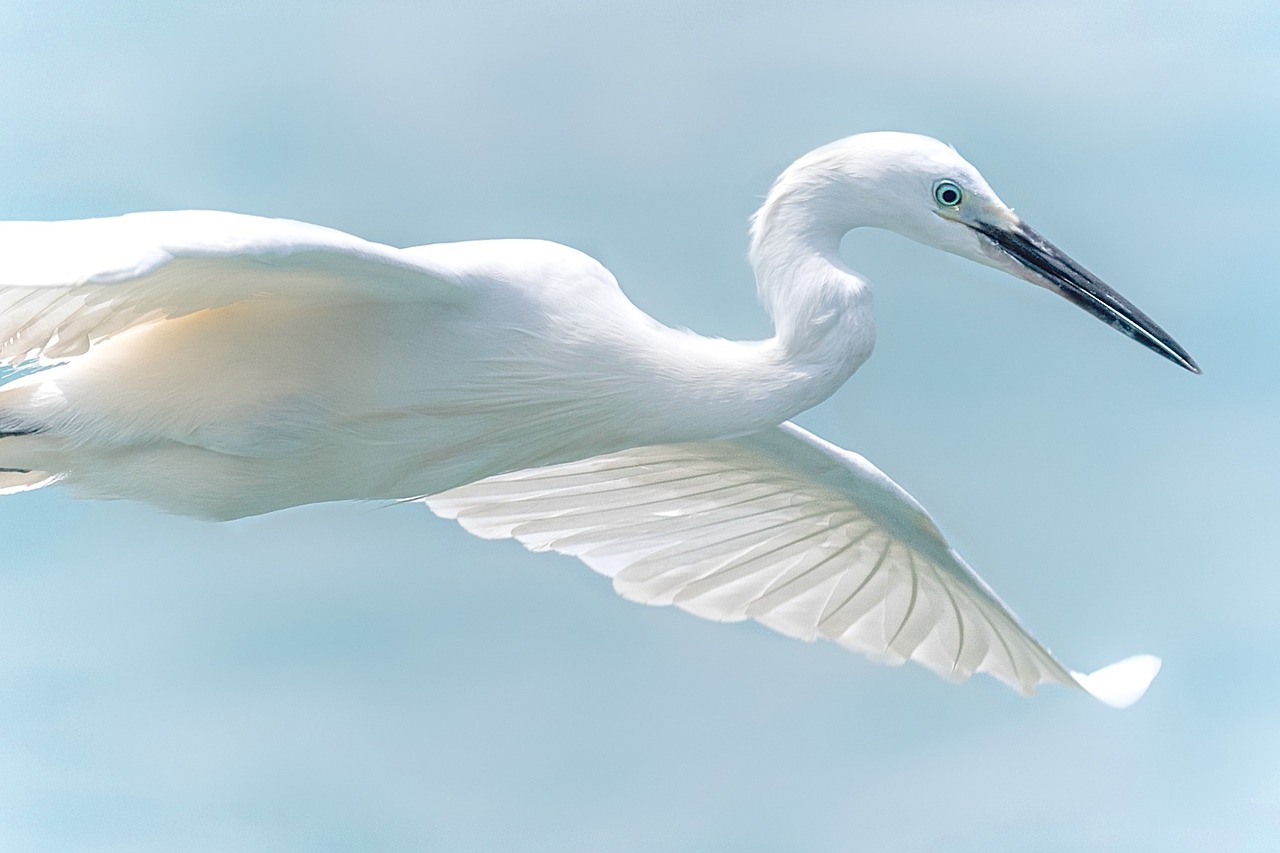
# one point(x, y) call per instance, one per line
point(1080, 286)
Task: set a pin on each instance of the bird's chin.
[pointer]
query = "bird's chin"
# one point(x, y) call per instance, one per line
point(992, 254)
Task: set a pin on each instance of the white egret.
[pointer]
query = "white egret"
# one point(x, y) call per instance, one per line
point(222, 365)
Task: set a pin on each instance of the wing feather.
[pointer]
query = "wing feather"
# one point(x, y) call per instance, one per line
point(66, 285)
point(786, 529)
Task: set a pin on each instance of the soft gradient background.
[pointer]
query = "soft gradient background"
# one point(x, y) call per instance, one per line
point(354, 678)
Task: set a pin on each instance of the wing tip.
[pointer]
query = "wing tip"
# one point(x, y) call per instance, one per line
point(13, 482)
point(1122, 683)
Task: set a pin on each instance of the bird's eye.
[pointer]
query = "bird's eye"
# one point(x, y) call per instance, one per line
point(947, 193)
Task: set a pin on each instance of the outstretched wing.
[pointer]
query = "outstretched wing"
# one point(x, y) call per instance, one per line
point(66, 285)
point(787, 529)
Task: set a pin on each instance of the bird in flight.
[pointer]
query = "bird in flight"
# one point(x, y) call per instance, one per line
point(221, 365)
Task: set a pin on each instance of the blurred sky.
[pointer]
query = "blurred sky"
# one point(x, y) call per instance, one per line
point(356, 678)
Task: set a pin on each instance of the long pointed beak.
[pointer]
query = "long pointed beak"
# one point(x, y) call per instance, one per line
point(1053, 268)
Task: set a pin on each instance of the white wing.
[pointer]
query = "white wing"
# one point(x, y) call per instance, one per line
point(787, 529)
point(67, 285)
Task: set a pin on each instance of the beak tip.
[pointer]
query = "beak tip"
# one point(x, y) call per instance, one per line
point(1182, 358)
point(1184, 361)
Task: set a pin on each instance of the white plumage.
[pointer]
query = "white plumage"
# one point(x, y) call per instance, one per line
point(223, 365)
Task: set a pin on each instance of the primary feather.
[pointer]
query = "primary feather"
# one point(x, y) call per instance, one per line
point(784, 528)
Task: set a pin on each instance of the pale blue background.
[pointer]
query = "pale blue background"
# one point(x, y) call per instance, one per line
point(353, 678)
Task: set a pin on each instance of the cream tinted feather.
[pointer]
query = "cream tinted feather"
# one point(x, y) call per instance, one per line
point(778, 526)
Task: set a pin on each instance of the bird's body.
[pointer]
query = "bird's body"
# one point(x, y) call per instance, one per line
point(221, 365)
point(534, 357)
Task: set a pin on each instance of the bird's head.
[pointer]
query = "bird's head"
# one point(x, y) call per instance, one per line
point(923, 189)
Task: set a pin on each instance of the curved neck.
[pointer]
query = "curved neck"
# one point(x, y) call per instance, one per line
point(824, 328)
point(804, 285)
point(823, 331)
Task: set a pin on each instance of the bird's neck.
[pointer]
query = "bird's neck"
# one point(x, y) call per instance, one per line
point(822, 313)
point(823, 331)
